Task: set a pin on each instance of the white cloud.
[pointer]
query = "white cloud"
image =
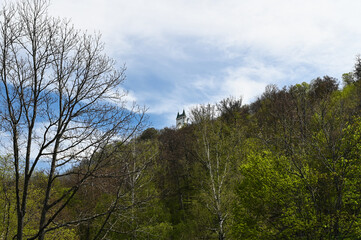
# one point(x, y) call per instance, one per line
point(280, 41)
point(268, 23)
point(249, 81)
point(272, 25)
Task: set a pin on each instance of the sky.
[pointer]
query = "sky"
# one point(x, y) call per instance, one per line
point(180, 53)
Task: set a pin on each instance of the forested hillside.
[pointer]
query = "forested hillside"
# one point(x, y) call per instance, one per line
point(286, 166)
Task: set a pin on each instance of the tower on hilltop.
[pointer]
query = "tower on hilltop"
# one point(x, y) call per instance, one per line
point(181, 120)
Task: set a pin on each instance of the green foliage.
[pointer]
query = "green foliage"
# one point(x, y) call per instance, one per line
point(8, 208)
point(269, 199)
point(301, 177)
point(7, 199)
point(148, 134)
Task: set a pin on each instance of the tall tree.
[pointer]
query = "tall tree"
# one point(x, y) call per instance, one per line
point(174, 178)
point(216, 150)
point(61, 102)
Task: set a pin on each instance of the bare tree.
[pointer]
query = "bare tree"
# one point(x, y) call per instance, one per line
point(60, 101)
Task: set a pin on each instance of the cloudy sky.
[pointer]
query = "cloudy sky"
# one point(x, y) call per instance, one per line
point(180, 53)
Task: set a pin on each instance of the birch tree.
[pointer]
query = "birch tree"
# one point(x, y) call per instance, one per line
point(217, 152)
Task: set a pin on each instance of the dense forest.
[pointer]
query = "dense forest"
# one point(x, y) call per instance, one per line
point(286, 166)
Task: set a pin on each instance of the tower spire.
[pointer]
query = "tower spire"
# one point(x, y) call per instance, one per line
point(181, 119)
